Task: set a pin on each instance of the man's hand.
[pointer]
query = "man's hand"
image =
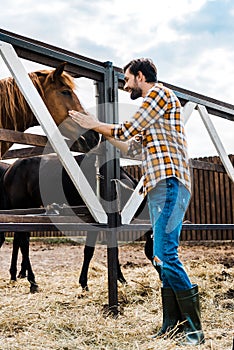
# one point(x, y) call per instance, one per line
point(87, 121)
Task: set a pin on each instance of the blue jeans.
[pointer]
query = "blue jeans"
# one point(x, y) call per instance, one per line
point(168, 202)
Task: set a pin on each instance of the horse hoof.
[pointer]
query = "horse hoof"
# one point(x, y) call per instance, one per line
point(34, 288)
point(123, 281)
point(85, 289)
point(12, 282)
point(22, 275)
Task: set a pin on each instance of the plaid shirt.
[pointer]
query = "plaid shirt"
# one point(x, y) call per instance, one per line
point(164, 148)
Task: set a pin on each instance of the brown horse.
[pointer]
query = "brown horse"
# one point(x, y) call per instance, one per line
point(56, 88)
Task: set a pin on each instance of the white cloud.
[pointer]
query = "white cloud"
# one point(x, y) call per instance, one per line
point(191, 41)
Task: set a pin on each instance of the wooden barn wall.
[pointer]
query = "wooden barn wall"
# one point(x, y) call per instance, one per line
point(212, 202)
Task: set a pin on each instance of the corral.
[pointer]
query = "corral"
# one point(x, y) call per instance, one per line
point(108, 93)
point(62, 317)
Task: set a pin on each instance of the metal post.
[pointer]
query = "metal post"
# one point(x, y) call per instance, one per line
point(108, 112)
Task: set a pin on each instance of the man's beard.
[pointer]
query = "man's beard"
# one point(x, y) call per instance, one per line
point(136, 93)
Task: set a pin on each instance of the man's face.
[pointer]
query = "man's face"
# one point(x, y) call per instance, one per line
point(132, 86)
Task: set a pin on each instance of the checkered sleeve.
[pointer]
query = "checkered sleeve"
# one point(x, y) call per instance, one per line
point(153, 107)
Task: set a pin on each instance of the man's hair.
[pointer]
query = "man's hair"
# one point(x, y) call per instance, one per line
point(144, 65)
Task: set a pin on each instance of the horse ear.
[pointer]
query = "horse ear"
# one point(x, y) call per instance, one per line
point(58, 71)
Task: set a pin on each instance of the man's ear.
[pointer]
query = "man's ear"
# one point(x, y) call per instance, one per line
point(140, 76)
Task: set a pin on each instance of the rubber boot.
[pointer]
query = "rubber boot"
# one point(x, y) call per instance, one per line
point(171, 314)
point(188, 301)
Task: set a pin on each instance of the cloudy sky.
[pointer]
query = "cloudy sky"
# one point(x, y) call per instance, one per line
point(190, 41)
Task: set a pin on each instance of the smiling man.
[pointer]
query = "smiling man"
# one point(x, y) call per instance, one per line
point(156, 130)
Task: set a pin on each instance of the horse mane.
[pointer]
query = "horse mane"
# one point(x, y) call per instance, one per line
point(13, 103)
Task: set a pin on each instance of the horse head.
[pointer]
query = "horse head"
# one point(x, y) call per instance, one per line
point(57, 89)
point(59, 96)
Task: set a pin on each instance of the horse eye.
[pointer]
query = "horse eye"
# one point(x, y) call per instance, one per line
point(66, 93)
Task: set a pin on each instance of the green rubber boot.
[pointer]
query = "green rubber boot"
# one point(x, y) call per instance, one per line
point(188, 301)
point(171, 314)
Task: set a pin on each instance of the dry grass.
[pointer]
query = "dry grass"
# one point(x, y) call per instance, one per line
point(62, 317)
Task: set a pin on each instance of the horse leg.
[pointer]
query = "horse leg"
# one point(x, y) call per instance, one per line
point(26, 264)
point(24, 246)
point(149, 245)
point(14, 256)
point(88, 254)
point(2, 238)
point(149, 250)
point(120, 276)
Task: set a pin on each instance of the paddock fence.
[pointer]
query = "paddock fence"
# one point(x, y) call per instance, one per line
point(212, 202)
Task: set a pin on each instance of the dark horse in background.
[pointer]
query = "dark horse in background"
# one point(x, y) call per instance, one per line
point(39, 181)
point(57, 90)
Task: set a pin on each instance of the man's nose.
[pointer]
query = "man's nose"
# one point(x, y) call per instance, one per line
point(126, 88)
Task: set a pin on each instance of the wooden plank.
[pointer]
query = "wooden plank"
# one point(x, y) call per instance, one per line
point(202, 202)
point(228, 192)
point(232, 202)
point(23, 138)
point(217, 202)
point(61, 210)
point(207, 204)
point(210, 235)
point(32, 211)
point(206, 165)
point(196, 199)
point(37, 150)
point(193, 163)
point(223, 204)
point(190, 212)
point(26, 152)
point(54, 219)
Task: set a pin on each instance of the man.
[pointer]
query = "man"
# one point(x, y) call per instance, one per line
point(159, 126)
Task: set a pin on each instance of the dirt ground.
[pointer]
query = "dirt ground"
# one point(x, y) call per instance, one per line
point(211, 265)
point(46, 254)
